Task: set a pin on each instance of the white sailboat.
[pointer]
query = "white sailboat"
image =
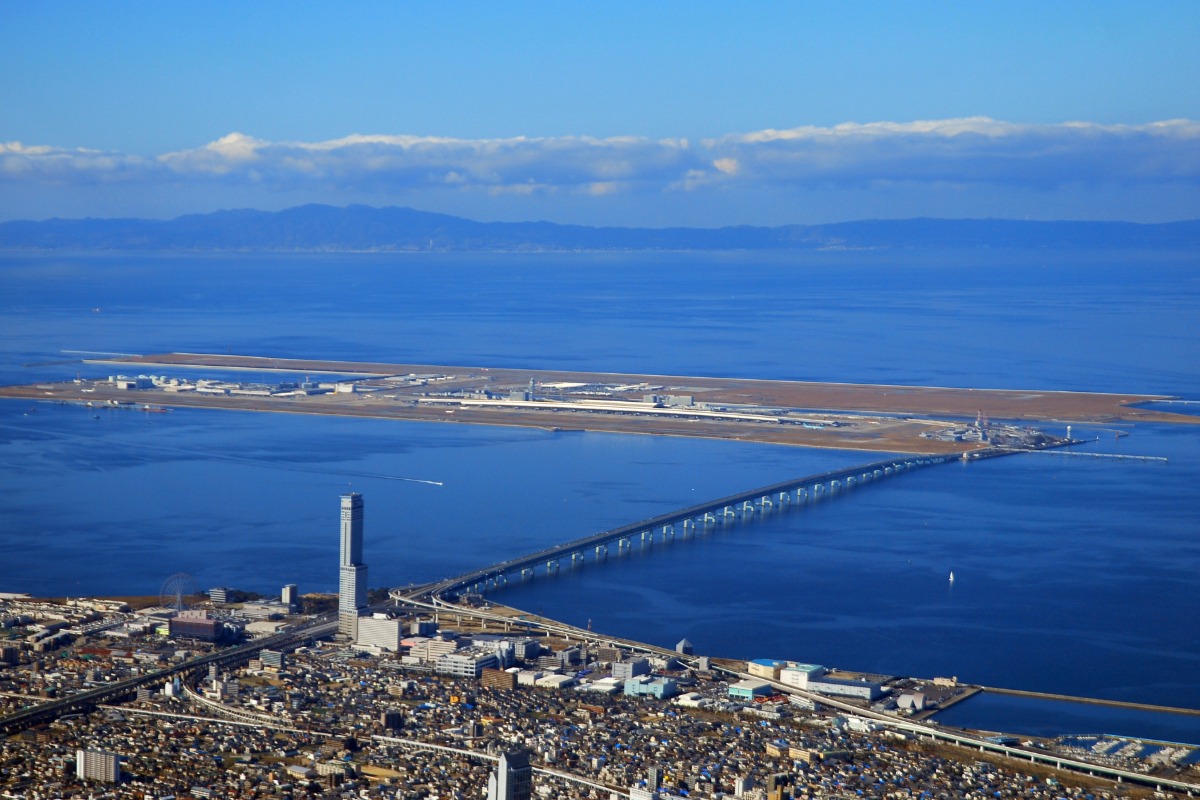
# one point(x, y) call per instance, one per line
point(952, 576)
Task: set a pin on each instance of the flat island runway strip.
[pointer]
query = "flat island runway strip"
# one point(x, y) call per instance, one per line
point(911, 419)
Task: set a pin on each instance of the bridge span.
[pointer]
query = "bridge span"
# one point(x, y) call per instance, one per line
point(685, 522)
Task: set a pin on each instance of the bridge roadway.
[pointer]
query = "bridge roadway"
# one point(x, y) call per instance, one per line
point(124, 689)
point(763, 499)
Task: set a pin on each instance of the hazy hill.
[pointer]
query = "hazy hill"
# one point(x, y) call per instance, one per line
point(328, 228)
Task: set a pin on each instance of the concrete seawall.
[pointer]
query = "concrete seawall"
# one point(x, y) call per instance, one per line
point(1093, 701)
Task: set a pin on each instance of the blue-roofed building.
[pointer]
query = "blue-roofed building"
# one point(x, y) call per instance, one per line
point(749, 689)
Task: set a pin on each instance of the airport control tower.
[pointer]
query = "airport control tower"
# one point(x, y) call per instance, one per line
point(352, 577)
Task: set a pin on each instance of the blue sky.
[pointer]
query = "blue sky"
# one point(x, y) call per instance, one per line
point(621, 113)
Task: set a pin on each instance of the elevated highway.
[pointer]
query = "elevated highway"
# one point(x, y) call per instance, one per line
point(125, 689)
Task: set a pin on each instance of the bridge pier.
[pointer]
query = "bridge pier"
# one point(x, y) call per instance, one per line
point(668, 530)
point(576, 558)
point(747, 507)
point(526, 573)
point(601, 551)
point(552, 566)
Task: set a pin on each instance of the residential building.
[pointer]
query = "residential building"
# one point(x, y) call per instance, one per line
point(498, 679)
point(97, 765)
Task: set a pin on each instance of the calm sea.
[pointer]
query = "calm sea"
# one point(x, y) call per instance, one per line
point(1073, 574)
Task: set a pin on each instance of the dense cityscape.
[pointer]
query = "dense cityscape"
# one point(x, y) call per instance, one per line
point(411, 700)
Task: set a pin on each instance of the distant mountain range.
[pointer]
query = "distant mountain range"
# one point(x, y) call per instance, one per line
point(363, 228)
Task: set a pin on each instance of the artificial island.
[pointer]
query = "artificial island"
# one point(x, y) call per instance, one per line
point(909, 419)
point(297, 699)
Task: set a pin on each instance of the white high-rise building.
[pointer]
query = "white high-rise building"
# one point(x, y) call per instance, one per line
point(380, 632)
point(97, 765)
point(352, 577)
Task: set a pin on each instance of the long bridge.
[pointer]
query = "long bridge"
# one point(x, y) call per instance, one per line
point(683, 522)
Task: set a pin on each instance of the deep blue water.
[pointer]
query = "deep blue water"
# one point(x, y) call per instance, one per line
point(1073, 574)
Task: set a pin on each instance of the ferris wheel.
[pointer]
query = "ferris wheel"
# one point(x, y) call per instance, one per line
point(175, 591)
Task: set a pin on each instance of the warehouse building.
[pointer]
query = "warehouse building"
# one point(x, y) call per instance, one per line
point(749, 689)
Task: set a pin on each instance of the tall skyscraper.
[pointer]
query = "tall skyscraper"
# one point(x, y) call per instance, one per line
point(513, 778)
point(352, 578)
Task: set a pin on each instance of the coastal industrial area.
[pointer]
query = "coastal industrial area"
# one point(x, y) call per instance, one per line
point(437, 691)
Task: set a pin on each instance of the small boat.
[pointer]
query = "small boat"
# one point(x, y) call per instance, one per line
point(952, 576)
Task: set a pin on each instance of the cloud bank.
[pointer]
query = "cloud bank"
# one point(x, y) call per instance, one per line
point(969, 154)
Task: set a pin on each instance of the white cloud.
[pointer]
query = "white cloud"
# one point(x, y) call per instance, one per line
point(601, 188)
point(970, 154)
point(970, 150)
point(45, 164)
point(229, 154)
point(727, 165)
